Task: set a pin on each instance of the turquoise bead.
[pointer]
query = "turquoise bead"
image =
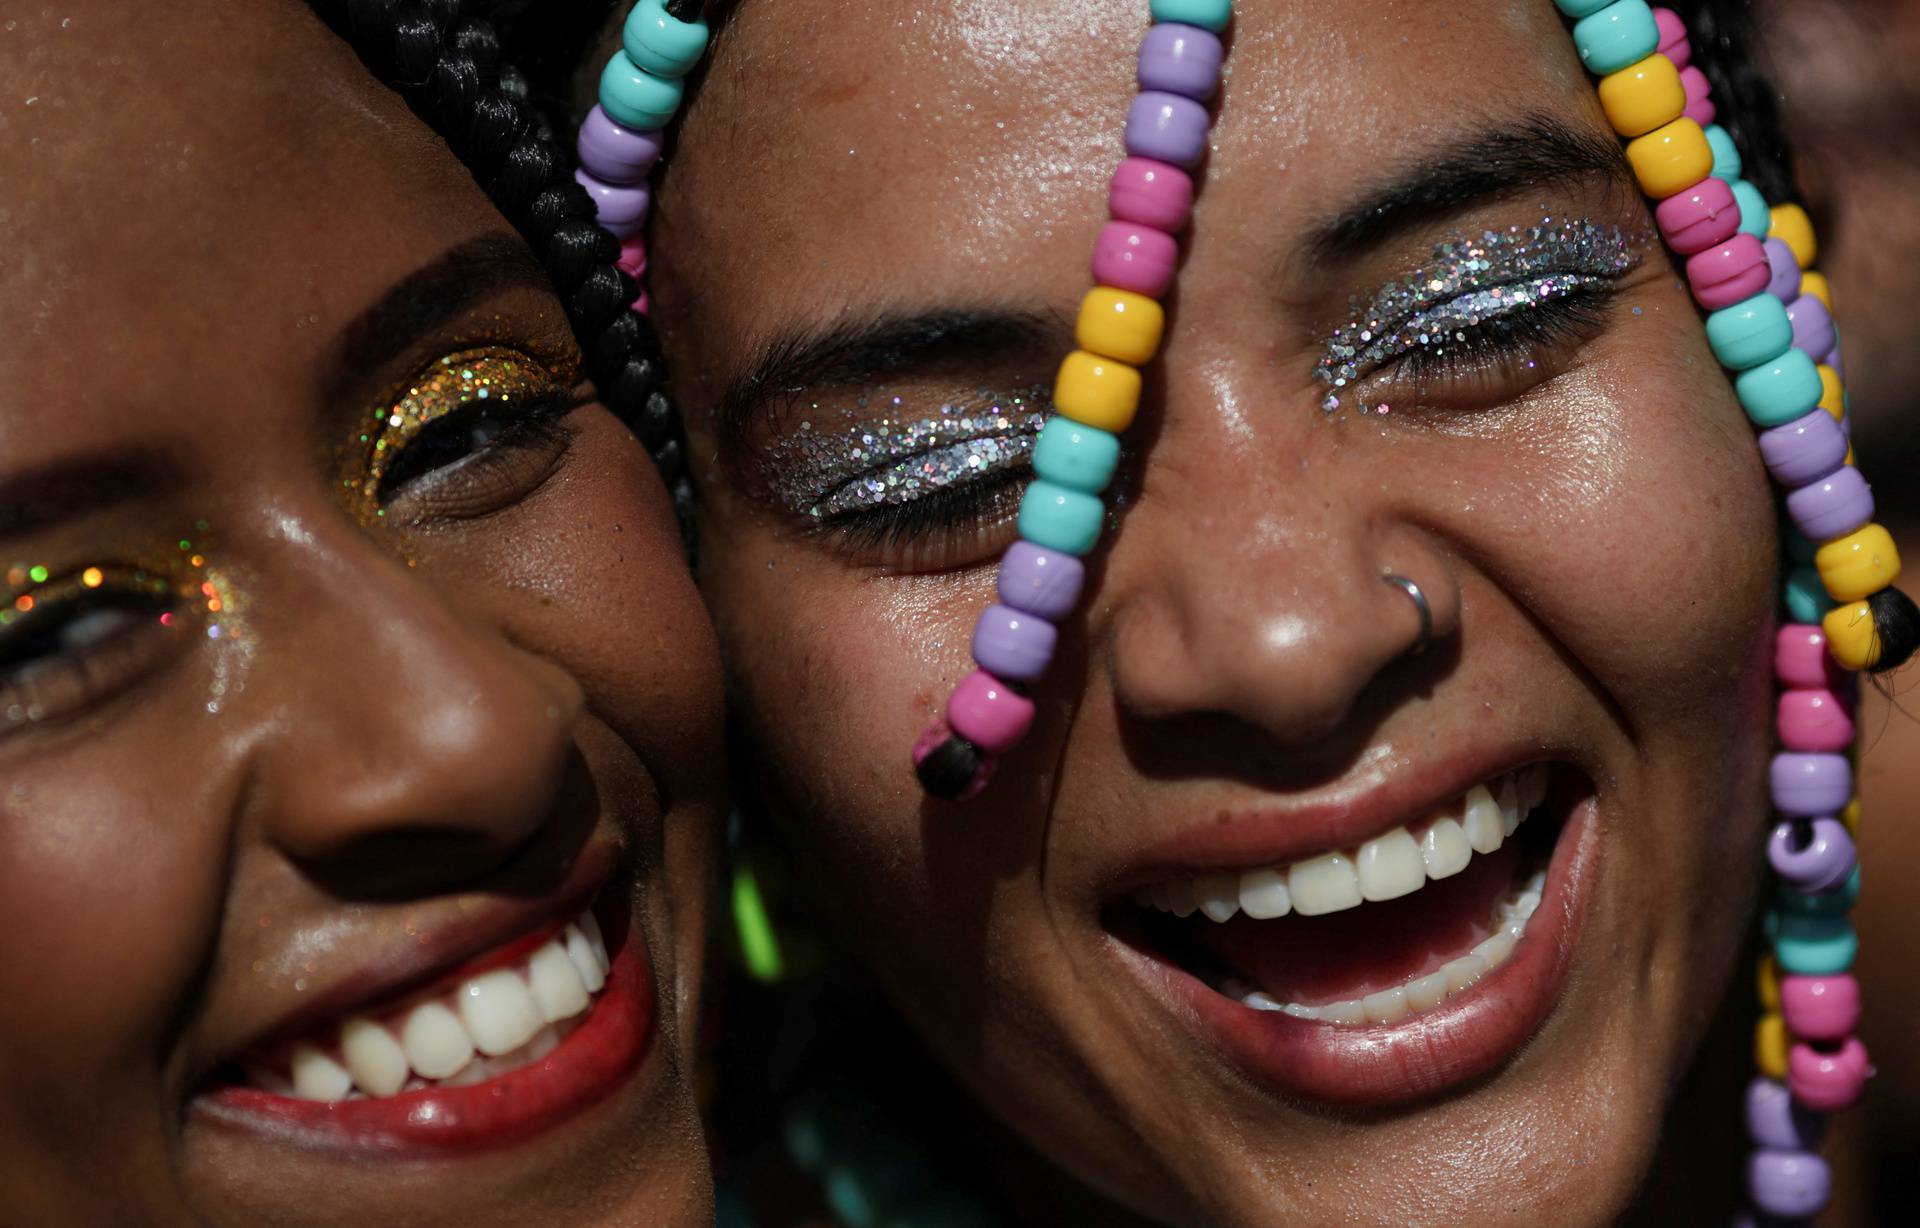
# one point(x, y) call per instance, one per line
point(1798, 547)
point(864, 1185)
point(1076, 456)
point(1775, 393)
point(1726, 155)
point(636, 98)
point(660, 42)
point(1207, 14)
point(1750, 333)
point(1812, 946)
point(1060, 518)
point(1804, 595)
point(1755, 216)
point(1577, 9)
point(1832, 904)
point(1620, 34)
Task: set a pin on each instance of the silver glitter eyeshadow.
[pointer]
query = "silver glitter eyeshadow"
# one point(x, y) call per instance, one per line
point(1468, 282)
point(825, 472)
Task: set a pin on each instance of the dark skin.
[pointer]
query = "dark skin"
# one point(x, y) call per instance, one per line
point(421, 708)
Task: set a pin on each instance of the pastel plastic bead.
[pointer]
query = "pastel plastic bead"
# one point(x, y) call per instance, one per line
point(1700, 108)
point(615, 154)
point(1833, 393)
point(1044, 582)
point(1698, 218)
point(1643, 96)
point(1795, 545)
point(1775, 393)
point(1730, 273)
point(1813, 332)
point(1671, 158)
point(620, 210)
point(1180, 59)
point(1673, 37)
point(632, 259)
point(1836, 903)
point(1152, 194)
point(1813, 721)
point(1753, 208)
point(1790, 223)
point(1167, 128)
point(1075, 455)
point(1803, 596)
point(1750, 333)
point(1832, 507)
point(1768, 985)
point(1207, 14)
point(1726, 155)
point(1815, 283)
point(1860, 564)
point(1616, 36)
point(1832, 359)
point(1129, 256)
point(1813, 859)
point(1804, 786)
point(1774, 1120)
point(1060, 518)
point(1580, 8)
point(1820, 1007)
point(635, 98)
point(1770, 1045)
point(1120, 324)
point(1804, 450)
point(1828, 1082)
point(1097, 391)
point(1812, 945)
point(988, 713)
point(1012, 644)
point(1851, 818)
point(1852, 636)
point(661, 43)
point(1789, 1183)
point(1800, 659)
point(1785, 281)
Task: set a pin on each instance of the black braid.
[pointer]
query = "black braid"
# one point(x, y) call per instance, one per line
point(447, 64)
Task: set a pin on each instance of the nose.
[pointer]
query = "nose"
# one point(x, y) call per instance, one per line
point(404, 747)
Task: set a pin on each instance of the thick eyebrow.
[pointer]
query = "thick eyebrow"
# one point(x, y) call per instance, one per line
point(41, 498)
point(1538, 151)
point(876, 348)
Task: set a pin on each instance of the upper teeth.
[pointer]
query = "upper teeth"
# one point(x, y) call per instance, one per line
point(505, 1018)
point(1384, 868)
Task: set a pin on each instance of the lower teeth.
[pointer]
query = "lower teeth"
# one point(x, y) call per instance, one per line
point(1422, 992)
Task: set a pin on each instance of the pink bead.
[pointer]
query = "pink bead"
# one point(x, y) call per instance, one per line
point(1814, 720)
point(1731, 273)
point(633, 258)
point(931, 740)
point(1800, 658)
point(1673, 37)
point(988, 713)
point(1699, 105)
point(1129, 256)
point(1700, 217)
point(1828, 1082)
point(1152, 194)
point(1820, 1007)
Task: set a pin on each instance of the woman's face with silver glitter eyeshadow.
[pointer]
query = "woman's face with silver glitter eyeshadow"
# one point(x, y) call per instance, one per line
point(1531, 428)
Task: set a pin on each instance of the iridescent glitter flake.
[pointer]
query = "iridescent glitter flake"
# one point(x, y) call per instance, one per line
point(1470, 282)
point(825, 472)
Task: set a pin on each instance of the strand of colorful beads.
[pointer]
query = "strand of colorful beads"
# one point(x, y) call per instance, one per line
point(1095, 395)
point(1770, 325)
point(621, 138)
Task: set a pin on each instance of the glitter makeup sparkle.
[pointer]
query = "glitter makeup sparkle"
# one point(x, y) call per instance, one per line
point(1469, 282)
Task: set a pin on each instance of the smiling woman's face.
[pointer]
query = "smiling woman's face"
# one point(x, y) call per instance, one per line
point(871, 262)
point(356, 708)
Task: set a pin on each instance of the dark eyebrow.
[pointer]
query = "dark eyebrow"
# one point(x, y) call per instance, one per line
point(41, 498)
point(1536, 152)
point(875, 348)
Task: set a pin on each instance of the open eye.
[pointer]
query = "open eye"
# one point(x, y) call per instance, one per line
point(73, 643)
point(518, 447)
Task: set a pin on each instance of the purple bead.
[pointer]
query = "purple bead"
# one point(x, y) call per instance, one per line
point(615, 154)
point(1755, 1219)
point(1167, 127)
point(1832, 359)
point(1808, 786)
point(1785, 282)
point(1832, 507)
point(1804, 450)
point(1788, 1182)
point(1814, 859)
point(1011, 644)
point(620, 210)
point(1813, 333)
point(1040, 581)
point(1180, 60)
point(1775, 1121)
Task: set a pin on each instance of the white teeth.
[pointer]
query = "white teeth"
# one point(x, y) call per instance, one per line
point(1261, 1002)
point(1445, 849)
point(437, 1045)
point(1350, 1011)
point(499, 1012)
point(1424, 993)
point(591, 928)
point(317, 1076)
point(1323, 884)
point(1509, 801)
point(1496, 949)
point(580, 951)
point(1390, 866)
point(1387, 1006)
point(1263, 894)
point(1485, 830)
point(1219, 896)
point(557, 986)
point(374, 1058)
point(1464, 971)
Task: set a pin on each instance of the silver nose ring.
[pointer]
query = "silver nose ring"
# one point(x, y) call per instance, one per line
point(1419, 603)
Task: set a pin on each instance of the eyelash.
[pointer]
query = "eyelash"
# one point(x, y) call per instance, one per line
point(533, 426)
point(934, 528)
point(44, 678)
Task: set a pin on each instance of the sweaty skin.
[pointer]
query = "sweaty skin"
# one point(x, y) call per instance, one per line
point(405, 719)
point(1591, 525)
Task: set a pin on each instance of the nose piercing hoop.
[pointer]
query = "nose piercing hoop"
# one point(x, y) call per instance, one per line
point(1420, 603)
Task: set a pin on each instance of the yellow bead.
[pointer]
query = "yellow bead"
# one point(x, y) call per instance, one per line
point(1849, 457)
point(1096, 391)
point(1816, 285)
point(1769, 984)
point(1852, 637)
point(1641, 97)
point(1833, 394)
point(1120, 324)
point(1770, 1046)
point(1851, 817)
point(1859, 564)
point(1790, 224)
point(1671, 158)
